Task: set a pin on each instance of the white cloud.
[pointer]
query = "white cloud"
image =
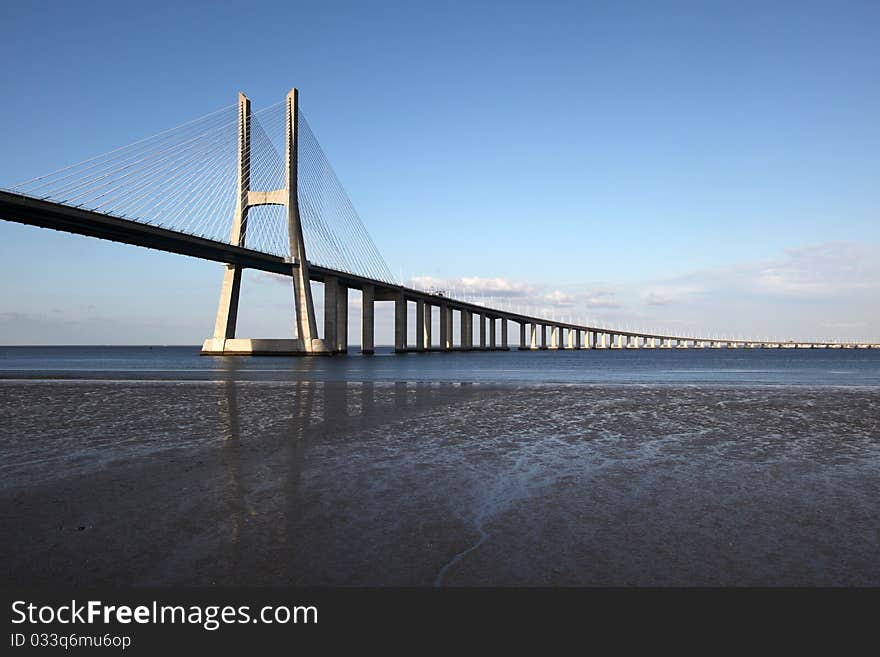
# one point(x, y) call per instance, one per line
point(473, 285)
point(599, 299)
point(662, 295)
point(823, 270)
point(560, 298)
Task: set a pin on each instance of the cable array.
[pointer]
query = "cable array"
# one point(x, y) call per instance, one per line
point(183, 179)
point(186, 179)
point(334, 232)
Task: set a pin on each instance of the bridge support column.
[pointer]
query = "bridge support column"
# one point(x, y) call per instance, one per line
point(523, 327)
point(331, 289)
point(504, 333)
point(227, 310)
point(420, 324)
point(554, 338)
point(481, 318)
point(543, 336)
point(445, 327)
point(368, 307)
point(466, 330)
point(400, 324)
point(533, 339)
point(428, 326)
point(342, 319)
point(492, 333)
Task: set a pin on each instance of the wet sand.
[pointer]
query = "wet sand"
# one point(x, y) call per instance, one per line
point(276, 483)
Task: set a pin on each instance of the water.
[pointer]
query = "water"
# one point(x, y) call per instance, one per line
point(138, 465)
point(707, 366)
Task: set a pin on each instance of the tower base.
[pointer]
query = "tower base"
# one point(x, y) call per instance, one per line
point(262, 347)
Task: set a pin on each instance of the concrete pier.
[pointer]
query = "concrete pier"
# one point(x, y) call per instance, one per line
point(467, 330)
point(331, 289)
point(368, 307)
point(400, 324)
point(420, 324)
point(427, 327)
point(342, 319)
point(445, 327)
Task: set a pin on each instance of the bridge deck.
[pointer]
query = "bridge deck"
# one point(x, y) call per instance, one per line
point(46, 214)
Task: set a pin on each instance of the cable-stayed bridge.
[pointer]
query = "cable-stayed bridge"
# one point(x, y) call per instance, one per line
point(255, 190)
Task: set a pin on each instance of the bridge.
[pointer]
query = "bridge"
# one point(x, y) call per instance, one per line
point(252, 190)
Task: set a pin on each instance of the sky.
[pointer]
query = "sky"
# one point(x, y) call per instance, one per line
point(704, 167)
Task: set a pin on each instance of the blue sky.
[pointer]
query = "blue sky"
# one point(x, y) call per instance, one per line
point(700, 165)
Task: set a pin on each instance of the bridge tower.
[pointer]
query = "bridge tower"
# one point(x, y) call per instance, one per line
point(307, 341)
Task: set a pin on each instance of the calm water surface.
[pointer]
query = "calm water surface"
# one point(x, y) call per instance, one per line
point(721, 366)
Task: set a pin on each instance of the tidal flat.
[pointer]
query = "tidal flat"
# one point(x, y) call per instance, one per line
point(168, 482)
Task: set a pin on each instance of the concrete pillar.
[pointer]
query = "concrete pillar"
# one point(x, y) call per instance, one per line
point(230, 289)
point(554, 337)
point(522, 335)
point(574, 338)
point(504, 333)
point(400, 324)
point(331, 290)
point(428, 321)
point(368, 306)
point(492, 344)
point(445, 327)
point(342, 319)
point(533, 340)
point(227, 308)
point(592, 338)
point(467, 330)
point(543, 336)
point(307, 327)
point(420, 324)
point(481, 330)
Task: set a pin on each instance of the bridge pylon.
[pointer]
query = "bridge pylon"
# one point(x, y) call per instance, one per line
point(307, 341)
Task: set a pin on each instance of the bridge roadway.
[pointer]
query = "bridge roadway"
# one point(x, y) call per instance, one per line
point(535, 332)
